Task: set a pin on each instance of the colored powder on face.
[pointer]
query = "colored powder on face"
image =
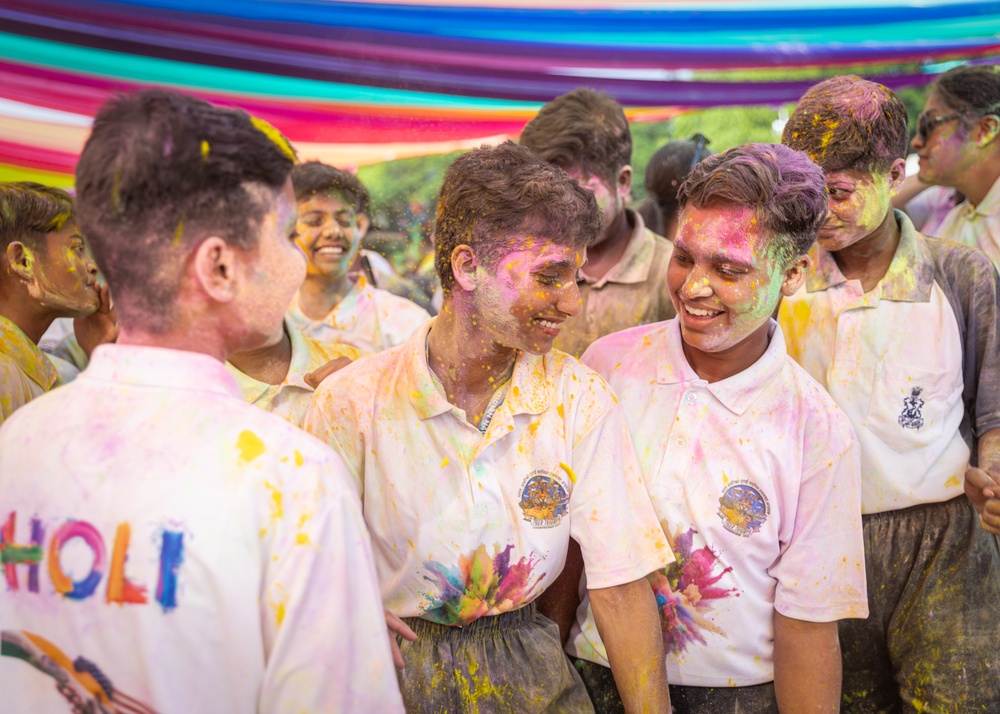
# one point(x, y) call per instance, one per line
point(249, 445)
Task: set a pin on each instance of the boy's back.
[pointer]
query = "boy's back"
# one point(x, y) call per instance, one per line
point(203, 555)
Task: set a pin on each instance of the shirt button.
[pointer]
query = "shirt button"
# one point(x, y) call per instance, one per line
point(679, 442)
point(692, 397)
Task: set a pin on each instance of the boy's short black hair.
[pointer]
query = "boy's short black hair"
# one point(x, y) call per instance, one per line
point(29, 211)
point(972, 90)
point(314, 177)
point(160, 172)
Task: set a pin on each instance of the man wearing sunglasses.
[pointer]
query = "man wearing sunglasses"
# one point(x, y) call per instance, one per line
point(904, 333)
point(958, 141)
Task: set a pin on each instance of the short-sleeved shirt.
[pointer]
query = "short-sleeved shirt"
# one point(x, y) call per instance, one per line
point(368, 318)
point(25, 371)
point(201, 554)
point(914, 363)
point(976, 226)
point(466, 524)
point(634, 292)
point(756, 481)
point(291, 398)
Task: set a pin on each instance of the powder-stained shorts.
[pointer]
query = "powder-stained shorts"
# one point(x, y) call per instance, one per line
point(512, 663)
point(756, 699)
point(932, 641)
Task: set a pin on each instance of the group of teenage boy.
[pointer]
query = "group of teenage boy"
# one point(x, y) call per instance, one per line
point(759, 472)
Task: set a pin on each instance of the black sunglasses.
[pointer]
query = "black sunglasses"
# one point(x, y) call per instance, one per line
point(926, 125)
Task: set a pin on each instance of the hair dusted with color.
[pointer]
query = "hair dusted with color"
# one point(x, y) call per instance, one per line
point(312, 178)
point(494, 196)
point(582, 129)
point(972, 90)
point(29, 211)
point(785, 189)
point(849, 123)
point(162, 171)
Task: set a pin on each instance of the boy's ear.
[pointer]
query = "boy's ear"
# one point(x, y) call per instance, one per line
point(463, 266)
point(989, 130)
point(624, 184)
point(21, 260)
point(363, 223)
point(795, 275)
point(214, 265)
point(897, 174)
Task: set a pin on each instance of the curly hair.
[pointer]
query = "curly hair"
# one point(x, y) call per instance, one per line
point(494, 196)
point(849, 123)
point(784, 187)
point(29, 211)
point(313, 177)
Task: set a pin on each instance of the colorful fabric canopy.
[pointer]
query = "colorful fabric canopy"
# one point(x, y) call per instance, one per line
point(356, 82)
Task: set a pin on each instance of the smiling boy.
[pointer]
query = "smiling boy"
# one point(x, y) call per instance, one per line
point(751, 467)
point(334, 305)
point(45, 273)
point(904, 333)
point(478, 451)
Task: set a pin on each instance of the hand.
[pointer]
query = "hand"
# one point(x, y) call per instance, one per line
point(99, 328)
point(314, 378)
point(983, 489)
point(397, 627)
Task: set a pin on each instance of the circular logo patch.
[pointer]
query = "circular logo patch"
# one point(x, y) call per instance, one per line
point(743, 508)
point(544, 500)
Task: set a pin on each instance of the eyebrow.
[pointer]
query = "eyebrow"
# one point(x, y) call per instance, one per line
point(557, 264)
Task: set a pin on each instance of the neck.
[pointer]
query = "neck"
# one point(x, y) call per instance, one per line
point(269, 364)
point(186, 335)
point(605, 255)
point(977, 181)
point(319, 294)
point(716, 366)
point(26, 315)
point(868, 260)
point(466, 374)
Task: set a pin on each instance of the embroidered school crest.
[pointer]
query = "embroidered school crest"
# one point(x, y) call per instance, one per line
point(743, 508)
point(911, 418)
point(544, 499)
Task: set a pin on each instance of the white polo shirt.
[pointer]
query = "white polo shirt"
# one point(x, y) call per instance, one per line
point(205, 556)
point(466, 524)
point(976, 226)
point(756, 482)
point(368, 318)
point(291, 398)
point(914, 363)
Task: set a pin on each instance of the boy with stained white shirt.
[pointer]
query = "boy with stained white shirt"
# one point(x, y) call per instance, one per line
point(904, 333)
point(478, 451)
point(751, 467)
point(336, 303)
point(169, 547)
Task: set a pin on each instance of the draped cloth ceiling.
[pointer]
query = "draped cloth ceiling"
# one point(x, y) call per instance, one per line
point(353, 83)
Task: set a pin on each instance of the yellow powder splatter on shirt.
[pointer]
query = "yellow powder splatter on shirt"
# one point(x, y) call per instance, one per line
point(953, 481)
point(250, 445)
point(277, 509)
point(302, 539)
point(569, 471)
point(299, 459)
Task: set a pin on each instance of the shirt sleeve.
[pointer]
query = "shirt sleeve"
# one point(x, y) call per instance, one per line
point(820, 572)
point(611, 515)
point(330, 419)
point(14, 390)
point(326, 644)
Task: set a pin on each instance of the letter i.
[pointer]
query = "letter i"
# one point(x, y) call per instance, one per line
point(171, 555)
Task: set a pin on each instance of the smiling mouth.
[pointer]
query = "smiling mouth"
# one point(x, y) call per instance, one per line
point(548, 325)
point(331, 251)
point(699, 312)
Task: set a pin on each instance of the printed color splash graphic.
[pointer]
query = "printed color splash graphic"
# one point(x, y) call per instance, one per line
point(743, 508)
point(85, 687)
point(544, 499)
point(684, 591)
point(480, 585)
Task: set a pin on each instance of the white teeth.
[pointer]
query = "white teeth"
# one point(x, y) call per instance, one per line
point(330, 250)
point(549, 325)
point(700, 313)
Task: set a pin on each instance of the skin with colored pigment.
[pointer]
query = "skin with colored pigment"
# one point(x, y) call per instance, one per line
point(725, 281)
point(949, 151)
point(608, 250)
point(63, 279)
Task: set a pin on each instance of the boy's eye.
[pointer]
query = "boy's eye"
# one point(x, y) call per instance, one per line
point(730, 272)
point(681, 258)
point(548, 279)
point(838, 192)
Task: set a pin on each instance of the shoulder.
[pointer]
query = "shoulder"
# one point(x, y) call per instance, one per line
point(957, 262)
point(575, 386)
point(387, 302)
point(817, 415)
point(359, 382)
point(634, 347)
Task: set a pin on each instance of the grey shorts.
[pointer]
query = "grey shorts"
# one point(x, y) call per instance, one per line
point(756, 699)
point(512, 663)
point(932, 641)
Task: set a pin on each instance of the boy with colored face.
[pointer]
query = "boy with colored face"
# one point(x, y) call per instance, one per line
point(751, 467)
point(168, 547)
point(904, 333)
point(336, 303)
point(478, 451)
point(624, 282)
point(958, 140)
point(45, 273)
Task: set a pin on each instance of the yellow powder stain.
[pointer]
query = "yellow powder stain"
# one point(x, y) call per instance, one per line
point(569, 471)
point(953, 481)
point(250, 445)
point(515, 391)
point(302, 539)
point(725, 479)
point(204, 149)
point(274, 135)
point(410, 543)
point(263, 532)
point(277, 510)
point(179, 233)
point(445, 461)
point(279, 613)
point(303, 518)
point(562, 412)
point(532, 428)
point(299, 459)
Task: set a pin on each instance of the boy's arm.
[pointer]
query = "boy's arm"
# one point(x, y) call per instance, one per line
point(629, 625)
point(560, 601)
point(807, 665)
point(982, 485)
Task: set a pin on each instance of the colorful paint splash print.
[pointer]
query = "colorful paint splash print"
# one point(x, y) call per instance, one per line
point(684, 591)
point(480, 585)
